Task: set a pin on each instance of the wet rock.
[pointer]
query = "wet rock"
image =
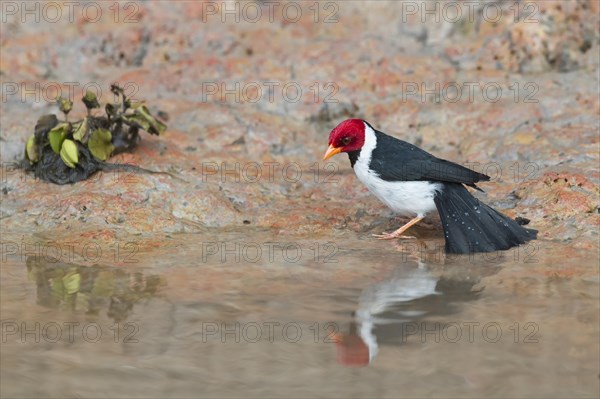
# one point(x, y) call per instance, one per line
point(382, 68)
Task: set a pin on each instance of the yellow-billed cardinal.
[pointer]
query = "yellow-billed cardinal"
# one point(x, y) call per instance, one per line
point(413, 182)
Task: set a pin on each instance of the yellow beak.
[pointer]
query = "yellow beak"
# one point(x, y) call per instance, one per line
point(331, 151)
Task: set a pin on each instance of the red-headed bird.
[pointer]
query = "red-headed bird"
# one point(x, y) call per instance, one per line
point(413, 183)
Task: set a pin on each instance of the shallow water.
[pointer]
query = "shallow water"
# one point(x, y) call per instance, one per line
point(253, 314)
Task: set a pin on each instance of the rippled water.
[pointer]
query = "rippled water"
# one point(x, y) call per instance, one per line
point(252, 314)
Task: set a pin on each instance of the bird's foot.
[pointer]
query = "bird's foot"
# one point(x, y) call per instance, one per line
point(391, 236)
point(398, 233)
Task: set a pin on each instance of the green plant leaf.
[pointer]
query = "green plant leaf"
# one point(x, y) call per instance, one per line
point(100, 144)
point(144, 120)
point(31, 150)
point(157, 127)
point(57, 135)
point(69, 153)
point(137, 121)
point(80, 133)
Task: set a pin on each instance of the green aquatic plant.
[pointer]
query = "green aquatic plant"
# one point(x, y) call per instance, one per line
point(63, 152)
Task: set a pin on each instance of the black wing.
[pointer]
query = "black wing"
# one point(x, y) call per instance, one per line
point(397, 160)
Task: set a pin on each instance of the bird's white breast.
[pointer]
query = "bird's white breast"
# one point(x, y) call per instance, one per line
point(407, 198)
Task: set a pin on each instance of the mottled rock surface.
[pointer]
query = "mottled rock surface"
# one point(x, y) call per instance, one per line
point(515, 96)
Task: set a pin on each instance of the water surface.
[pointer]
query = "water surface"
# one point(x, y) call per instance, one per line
point(253, 314)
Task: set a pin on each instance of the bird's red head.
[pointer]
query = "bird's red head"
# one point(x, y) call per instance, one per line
point(346, 137)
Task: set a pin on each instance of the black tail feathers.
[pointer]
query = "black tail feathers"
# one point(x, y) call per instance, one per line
point(472, 226)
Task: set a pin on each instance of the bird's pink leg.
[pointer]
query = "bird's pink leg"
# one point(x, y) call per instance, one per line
point(425, 225)
point(398, 233)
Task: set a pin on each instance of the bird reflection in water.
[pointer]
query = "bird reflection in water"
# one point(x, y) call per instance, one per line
point(386, 307)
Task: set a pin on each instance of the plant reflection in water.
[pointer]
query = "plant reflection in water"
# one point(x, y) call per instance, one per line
point(91, 289)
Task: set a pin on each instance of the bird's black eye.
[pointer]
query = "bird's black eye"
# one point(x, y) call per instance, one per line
point(346, 140)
